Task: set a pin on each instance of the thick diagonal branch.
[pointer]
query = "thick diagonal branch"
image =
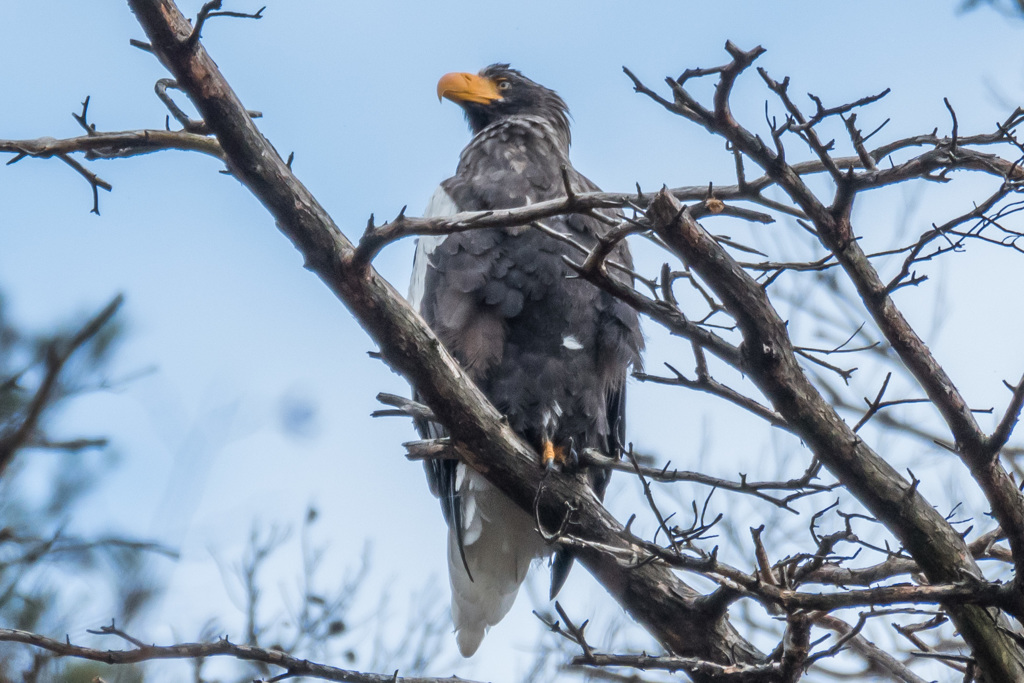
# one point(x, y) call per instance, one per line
point(649, 591)
point(832, 224)
point(770, 361)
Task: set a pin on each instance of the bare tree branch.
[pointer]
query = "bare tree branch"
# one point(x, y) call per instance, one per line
point(739, 322)
point(652, 593)
point(293, 666)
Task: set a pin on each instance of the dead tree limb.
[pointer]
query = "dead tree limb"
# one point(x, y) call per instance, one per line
point(141, 652)
point(649, 591)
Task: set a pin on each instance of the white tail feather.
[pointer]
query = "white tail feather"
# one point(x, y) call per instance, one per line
point(504, 544)
point(499, 539)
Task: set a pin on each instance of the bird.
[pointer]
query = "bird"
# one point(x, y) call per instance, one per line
point(550, 350)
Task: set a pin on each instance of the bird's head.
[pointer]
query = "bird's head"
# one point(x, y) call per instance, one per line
point(499, 92)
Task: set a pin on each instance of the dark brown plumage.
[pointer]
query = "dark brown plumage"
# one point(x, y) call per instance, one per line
point(549, 350)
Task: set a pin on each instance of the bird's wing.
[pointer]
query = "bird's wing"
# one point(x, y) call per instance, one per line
point(622, 326)
point(440, 473)
point(439, 206)
point(491, 541)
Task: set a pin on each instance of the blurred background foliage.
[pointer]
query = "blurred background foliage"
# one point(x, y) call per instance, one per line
point(47, 569)
point(50, 573)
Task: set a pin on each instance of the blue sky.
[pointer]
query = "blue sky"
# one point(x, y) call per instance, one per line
point(218, 302)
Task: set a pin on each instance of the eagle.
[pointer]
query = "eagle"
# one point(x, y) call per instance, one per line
point(550, 351)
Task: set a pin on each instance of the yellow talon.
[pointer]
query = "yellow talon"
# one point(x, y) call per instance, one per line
point(547, 457)
point(553, 456)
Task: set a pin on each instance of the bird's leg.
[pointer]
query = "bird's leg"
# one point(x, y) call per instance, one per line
point(555, 457)
point(547, 456)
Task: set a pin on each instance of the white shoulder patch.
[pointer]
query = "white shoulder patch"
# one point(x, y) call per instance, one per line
point(440, 204)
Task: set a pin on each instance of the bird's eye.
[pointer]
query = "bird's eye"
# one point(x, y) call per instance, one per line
point(504, 85)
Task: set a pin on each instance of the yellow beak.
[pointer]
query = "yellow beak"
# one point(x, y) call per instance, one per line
point(463, 87)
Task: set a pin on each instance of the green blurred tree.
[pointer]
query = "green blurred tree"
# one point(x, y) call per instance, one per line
point(44, 479)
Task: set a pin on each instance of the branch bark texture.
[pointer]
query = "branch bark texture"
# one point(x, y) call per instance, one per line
point(649, 591)
point(770, 360)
